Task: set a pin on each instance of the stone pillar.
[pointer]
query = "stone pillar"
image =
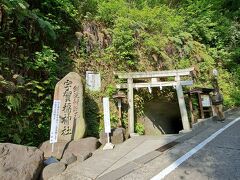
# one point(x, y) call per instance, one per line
point(130, 106)
point(191, 108)
point(182, 105)
point(200, 105)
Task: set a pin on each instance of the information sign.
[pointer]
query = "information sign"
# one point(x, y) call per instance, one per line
point(55, 121)
point(106, 111)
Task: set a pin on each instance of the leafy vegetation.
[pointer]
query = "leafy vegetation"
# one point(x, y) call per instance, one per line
point(40, 41)
point(31, 64)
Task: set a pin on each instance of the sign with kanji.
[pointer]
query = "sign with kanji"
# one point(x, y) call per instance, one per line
point(69, 91)
point(93, 81)
point(55, 121)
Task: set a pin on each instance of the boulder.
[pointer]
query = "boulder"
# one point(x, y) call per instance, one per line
point(82, 146)
point(118, 136)
point(53, 169)
point(84, 156)
point(68, 158)
point(20, 162)
point(59, 148)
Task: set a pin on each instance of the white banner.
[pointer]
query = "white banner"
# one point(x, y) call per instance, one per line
point(55, 121)
point(106, 112)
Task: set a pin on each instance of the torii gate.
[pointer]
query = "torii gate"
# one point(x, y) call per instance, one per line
point(153, 76)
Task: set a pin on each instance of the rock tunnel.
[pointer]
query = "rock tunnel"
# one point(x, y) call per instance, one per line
point(162, 116)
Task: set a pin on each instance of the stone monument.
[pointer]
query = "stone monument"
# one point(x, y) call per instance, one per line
point(69, 91)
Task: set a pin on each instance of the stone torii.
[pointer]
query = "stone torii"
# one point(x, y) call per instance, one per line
point(154, 77)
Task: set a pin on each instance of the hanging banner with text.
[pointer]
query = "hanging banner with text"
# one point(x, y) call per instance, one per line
point(106, 111)
point(55, 121)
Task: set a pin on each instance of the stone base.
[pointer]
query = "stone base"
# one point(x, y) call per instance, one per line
point(108, 146)
point(184, 131)
point(117, 136)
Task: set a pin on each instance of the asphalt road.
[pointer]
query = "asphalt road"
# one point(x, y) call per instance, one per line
point(219, 159)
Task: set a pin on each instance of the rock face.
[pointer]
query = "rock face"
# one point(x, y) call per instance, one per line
point(20, 162)
point(53, 170)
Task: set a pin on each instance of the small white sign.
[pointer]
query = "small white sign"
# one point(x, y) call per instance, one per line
point(205, 101)
point(55, 121)
point(93, 80)
point(106, 112)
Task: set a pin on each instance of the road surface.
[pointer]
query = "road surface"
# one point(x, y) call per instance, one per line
point(212, 154)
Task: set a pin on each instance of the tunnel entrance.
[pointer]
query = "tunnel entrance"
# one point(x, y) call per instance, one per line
point(162, 116)
point(157, 79)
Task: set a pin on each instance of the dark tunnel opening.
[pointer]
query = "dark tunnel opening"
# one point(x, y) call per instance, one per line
point(162, 116)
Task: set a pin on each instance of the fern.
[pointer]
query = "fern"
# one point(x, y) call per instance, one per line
point(14, 102)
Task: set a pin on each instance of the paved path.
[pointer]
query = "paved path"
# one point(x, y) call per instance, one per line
point(219, 159)
point(107, 163)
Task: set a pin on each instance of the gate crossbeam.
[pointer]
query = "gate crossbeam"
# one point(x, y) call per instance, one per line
point(155, 74)
point(155, 84)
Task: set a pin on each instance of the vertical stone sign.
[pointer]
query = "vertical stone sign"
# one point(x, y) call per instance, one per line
point(69, 91)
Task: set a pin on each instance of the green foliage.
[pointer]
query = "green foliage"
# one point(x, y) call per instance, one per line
point(113, 120)
point(14, 102)
point(92, 114)
point(45, 60)
point(139, 128)
point(139, 105)
point(137, 30)
point(111, 90)
point(109, 11)
point(64, 5)
point(30, 66)
point(123, 39)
